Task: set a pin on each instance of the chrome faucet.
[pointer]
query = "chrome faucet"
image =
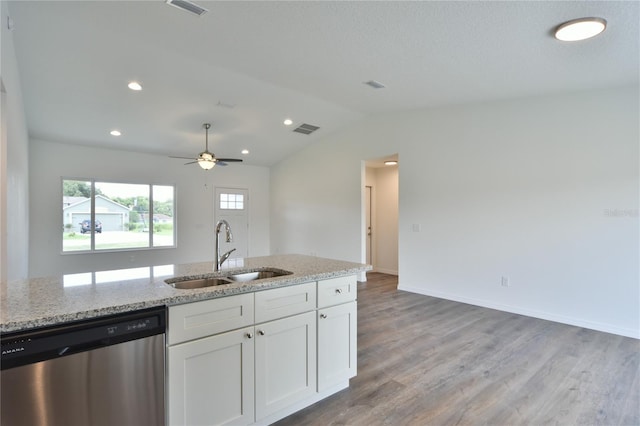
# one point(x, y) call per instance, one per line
point(220, 259)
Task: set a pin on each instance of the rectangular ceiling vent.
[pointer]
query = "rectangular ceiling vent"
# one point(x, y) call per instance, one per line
point(188, 6)
point(306, 129)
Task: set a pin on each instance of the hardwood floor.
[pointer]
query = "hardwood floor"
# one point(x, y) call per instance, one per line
point(428, 361)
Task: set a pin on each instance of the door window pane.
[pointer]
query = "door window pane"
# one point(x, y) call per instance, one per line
point(232, 201)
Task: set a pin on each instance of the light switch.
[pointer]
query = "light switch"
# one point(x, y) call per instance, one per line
point(416, 227)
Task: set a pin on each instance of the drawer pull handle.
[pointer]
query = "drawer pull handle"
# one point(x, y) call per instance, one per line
point(261, 332)
point(249, 335)
point(323, 316)
point(339, 290)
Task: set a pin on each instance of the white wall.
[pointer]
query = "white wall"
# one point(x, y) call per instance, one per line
point(14, 179)
point(384, 217)
point(542, 190)
point(50, 162)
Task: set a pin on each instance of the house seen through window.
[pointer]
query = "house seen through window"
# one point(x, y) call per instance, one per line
point(116, 216)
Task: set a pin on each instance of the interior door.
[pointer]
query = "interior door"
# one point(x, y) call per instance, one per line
point(232, 205)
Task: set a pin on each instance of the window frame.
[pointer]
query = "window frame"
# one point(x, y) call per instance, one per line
point(92, 182)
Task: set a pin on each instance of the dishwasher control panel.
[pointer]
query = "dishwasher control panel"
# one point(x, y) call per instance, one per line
point(31, 346)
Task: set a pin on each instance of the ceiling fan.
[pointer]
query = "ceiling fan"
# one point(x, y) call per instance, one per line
point(207, 159)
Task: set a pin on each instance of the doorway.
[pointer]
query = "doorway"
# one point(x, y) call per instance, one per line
point(380, 209)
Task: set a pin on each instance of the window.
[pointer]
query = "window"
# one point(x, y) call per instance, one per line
point(231, 201)
point(116, 216)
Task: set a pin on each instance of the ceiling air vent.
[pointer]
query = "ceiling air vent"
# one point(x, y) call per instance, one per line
point(306, 129)
point(188, 6)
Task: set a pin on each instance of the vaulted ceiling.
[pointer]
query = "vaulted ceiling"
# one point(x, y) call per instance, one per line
point(246, 66)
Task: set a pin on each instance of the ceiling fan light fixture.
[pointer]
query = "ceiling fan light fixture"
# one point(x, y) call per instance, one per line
point(580, 29)
point(206, 164)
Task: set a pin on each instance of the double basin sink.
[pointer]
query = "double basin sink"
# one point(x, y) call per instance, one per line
point(188, 283)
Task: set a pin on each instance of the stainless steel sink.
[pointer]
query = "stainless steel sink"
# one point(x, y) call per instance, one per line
point(258, 274)
point(197, 283)
point(243, 276)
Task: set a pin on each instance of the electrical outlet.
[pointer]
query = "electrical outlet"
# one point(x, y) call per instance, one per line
point(504, 282)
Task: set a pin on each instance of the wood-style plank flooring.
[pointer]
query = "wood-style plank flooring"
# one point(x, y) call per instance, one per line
point(428, 361)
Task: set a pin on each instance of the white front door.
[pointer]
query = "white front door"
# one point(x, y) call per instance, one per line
point(232, 205)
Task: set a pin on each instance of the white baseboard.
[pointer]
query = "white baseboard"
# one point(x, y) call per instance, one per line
point(607, 328)
point(385, 271)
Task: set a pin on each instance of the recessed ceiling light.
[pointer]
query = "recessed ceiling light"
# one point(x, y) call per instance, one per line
point(580, 29)
point(134, 85)
point(115, 133)
point(390, 163)
point(288, 122)
point(245, 151)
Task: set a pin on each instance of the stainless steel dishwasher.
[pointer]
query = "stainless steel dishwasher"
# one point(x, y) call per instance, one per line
point(104, 371)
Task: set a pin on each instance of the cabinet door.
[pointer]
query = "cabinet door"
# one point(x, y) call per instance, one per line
point(285, 362)
point(337, 344)
point(210, 380)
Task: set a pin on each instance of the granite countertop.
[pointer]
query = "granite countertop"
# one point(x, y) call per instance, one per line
point(46, 301)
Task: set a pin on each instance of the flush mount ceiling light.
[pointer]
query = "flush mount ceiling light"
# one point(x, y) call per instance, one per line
point(134, 85)
point(580, 29)
point(390, 163)
point(245, 151)
point(288, 122)
point(115, 133)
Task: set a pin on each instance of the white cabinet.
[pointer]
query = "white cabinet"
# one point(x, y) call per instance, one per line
point(285, 362)
point(210, 380)
point(337, 344)
point(337, 331)
point(255, 358)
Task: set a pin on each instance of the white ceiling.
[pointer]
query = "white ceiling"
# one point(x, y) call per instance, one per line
point(304, 60)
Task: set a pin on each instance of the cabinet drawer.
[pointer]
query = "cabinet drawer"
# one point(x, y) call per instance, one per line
point(337, 290)
point(194, 320)
point(285, 301)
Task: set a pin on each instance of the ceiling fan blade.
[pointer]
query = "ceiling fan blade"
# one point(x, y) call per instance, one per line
point(220, 163)
point(184, 158)
point(191, 162)
point(230, 160)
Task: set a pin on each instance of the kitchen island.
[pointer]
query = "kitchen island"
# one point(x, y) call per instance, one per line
point(38, 302)
point(249, 350)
